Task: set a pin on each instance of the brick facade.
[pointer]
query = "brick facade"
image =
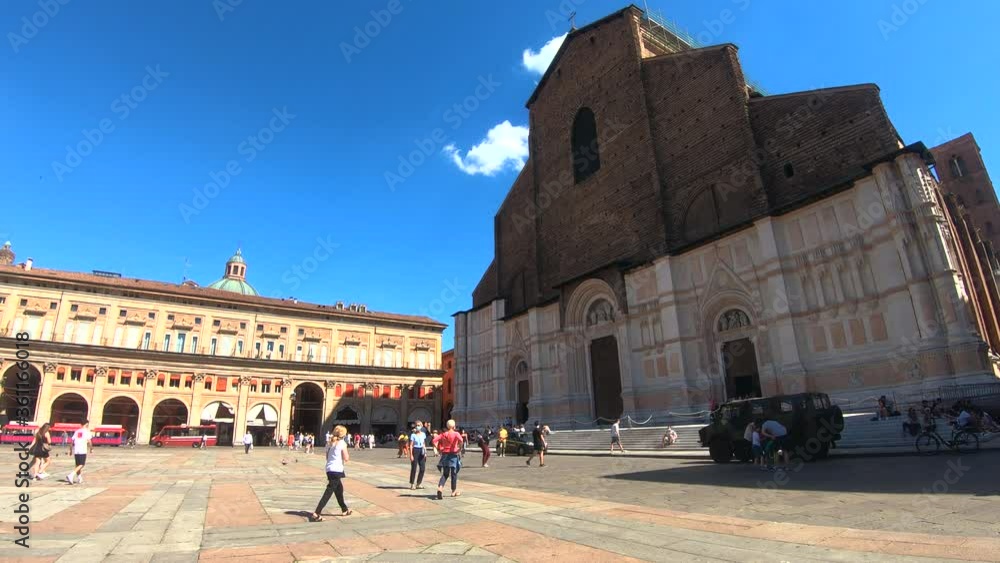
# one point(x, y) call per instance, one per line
point(969, 181)
point(688, 152)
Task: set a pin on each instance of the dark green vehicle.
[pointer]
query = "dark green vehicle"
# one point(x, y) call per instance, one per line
point(814, 425)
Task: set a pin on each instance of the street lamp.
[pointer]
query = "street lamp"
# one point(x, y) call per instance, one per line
point(291, 417)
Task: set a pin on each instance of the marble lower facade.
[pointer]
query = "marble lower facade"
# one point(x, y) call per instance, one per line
point(877, 290)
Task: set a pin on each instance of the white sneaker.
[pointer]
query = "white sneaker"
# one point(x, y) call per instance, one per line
point(42, 475)
point(79, 480)
point(69, 478)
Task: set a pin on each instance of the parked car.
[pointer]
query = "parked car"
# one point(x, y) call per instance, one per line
point(814, 425)
point(519, 443)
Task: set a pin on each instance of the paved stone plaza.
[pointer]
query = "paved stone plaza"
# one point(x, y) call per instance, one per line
point(222, 505)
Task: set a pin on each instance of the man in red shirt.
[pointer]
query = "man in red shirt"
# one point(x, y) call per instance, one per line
point(449, 444)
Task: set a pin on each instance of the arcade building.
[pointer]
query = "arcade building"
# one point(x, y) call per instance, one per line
point(678, 238)
point(145, 354)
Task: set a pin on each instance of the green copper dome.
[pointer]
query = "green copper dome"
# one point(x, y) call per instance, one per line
point(234, 285)
point(235, 277)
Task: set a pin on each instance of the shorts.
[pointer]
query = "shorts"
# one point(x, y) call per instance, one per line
point(616, 440)
point(81, 459)
point(758, 451)
point(539, 448)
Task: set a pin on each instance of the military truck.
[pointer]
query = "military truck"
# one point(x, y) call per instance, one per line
point(814, 425)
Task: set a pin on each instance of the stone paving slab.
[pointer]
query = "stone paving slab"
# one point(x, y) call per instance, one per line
point(179, 506)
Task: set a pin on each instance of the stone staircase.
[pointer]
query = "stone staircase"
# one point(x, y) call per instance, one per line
point(860, 432)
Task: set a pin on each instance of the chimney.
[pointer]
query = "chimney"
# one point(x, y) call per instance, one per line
point(27, 264)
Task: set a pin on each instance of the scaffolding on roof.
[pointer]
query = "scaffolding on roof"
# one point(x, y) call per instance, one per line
point(674, 38)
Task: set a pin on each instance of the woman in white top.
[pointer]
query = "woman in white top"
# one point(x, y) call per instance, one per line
point(336, 457)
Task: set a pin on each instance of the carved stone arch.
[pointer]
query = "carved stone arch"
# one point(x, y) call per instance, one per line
point(731, 319)
point(587, 295)
point(517, 369)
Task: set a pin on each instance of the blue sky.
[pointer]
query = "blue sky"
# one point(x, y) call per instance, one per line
point(312, 117)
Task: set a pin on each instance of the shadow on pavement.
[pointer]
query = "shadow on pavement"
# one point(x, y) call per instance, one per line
point(945, 474)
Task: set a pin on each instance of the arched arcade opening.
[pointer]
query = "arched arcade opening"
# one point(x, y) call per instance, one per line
point(20, 393)
point(169, 412)
point(69, 408)
point(123, 411)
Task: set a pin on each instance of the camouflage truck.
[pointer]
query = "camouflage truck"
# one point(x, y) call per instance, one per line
point(814, 425)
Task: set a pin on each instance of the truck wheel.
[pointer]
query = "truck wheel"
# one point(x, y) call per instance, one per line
point(158, 444)
point(521, 450)
point(824, 451)
point(720, 451)
point(743, 451)
point(195, 445)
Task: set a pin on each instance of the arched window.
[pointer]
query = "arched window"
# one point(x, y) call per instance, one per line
point(957, 167)
point(586, 152)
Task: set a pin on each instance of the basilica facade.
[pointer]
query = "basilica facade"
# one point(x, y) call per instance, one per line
point(678, 238)
point(145, 354)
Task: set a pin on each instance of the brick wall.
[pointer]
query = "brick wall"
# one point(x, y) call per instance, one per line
point(826, 136)
point(614, 214)
point(974, 189)
point(703, 141)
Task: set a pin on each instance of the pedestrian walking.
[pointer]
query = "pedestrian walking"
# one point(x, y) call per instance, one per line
point(502, 442)
point(449, 443)
point(418, 456)
point(204, 440)
point(465, 440)
point(371, 441)
point(247, 442)
point(484, 445)
point(82, 445)
point(41, 447)
point(538, 436)
point(616, 436)
point(337, 457)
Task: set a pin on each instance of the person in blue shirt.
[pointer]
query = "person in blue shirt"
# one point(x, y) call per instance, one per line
point(418, 457)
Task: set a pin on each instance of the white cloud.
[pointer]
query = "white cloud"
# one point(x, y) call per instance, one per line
point(539, 61)
point(505, 147)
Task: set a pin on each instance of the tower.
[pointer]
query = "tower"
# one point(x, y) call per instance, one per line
point(6, 255)
point(234, 278)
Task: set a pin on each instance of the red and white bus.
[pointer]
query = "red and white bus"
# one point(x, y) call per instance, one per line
point(185, 435)
point(62, 433)
point(108, 435)
point(13, 433)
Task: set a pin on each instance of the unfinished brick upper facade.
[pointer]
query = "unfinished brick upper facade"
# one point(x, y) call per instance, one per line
point(687, 152)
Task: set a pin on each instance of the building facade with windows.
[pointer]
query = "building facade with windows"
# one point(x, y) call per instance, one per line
point(145, 354)
point(447, 384)
point(963, 173)
point(678, 238)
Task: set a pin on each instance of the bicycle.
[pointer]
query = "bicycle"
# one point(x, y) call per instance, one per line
point(962, 440)
point(130, 443)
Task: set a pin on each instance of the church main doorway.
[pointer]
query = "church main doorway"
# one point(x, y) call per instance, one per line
point(606, 375)
point(742, 379)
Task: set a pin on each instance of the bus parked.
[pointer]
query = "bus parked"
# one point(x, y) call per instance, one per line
point(62, 432)
point(184, 435)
